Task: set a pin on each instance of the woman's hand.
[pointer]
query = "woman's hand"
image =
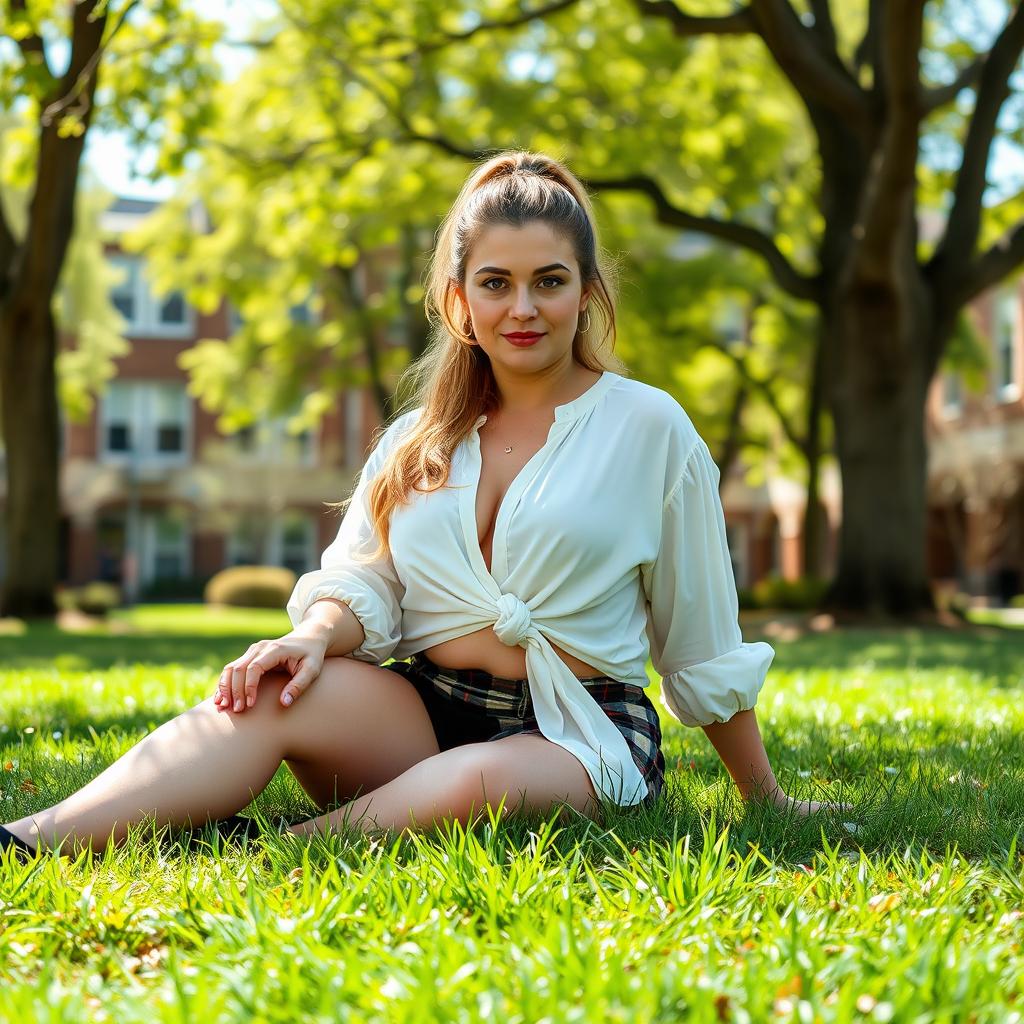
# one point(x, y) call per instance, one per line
point(300, 655)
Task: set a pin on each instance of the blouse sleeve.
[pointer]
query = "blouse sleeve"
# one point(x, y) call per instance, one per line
point(371, 589)
point(708, 672)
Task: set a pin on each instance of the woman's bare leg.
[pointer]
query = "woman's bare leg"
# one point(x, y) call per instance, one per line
point(357, 724)
point(530, 772)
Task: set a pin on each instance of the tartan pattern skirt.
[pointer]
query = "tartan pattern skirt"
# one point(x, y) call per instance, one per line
point(472, 706)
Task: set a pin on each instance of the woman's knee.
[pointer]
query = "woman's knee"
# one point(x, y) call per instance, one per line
point(359, 720)
point(531, 772)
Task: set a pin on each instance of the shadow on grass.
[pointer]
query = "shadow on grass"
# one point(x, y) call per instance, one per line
point(44, 646)
point(993, 652)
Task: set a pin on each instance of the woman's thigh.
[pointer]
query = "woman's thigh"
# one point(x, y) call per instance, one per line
point(357, 727)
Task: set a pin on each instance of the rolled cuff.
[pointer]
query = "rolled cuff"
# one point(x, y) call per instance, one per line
point(380, 621)
point(715, 690)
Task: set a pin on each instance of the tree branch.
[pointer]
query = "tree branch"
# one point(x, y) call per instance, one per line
point(812, 67)
point(823, 26)
point(785, 274)
point(1005, 256)
point(816, 73)
point(31, 46)
point(765, 389)
point(886, 212)
point(952, 257)
point(869, 49)
point(788, 278)
point(484, 25)
point(79, 76)
point(740, 22)
point(940, 95)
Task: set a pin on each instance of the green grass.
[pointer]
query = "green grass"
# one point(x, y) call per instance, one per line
point(703, 910)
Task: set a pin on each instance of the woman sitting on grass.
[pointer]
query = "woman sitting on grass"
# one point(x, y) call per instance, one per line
point(522, 540)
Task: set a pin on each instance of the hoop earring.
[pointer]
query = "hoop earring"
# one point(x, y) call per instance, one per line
point(467, 328)
point(580, 327)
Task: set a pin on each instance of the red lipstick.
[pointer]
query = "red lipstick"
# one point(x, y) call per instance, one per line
point(523, 339)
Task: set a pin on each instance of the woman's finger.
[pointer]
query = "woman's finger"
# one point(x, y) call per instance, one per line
point(237, 695)
point(269, 658)
point(299, 684)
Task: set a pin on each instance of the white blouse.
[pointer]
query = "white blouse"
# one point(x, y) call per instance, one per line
point(610, 542)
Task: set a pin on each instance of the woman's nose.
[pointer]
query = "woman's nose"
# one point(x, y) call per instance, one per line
point(522, 303)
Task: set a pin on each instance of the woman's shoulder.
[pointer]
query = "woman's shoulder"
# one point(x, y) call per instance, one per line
point(650, 408)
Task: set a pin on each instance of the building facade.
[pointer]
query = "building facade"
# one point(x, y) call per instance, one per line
point(155, 497)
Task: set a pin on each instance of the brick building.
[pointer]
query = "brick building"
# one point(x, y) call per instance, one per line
point(157, 499)
point(976, 459)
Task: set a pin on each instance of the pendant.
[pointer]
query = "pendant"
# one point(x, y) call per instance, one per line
point(507, 450)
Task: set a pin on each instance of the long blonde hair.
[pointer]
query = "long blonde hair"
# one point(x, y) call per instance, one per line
point(453, 380)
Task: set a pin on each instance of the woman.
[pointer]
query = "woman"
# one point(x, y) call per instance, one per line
point(527, 535)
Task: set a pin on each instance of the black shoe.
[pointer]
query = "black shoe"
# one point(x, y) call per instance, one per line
point(236, 829)
point(23, 850)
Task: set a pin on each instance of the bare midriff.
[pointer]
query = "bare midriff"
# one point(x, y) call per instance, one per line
point(483, 649)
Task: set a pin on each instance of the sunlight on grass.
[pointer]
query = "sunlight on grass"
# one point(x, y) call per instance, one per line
point(702, 909)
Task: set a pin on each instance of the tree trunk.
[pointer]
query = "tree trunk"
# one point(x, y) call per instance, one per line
point(28, 405)
point(878, 391)
point(29, 272)
point(813, 525)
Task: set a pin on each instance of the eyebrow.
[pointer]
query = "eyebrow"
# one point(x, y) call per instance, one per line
point(539, 270)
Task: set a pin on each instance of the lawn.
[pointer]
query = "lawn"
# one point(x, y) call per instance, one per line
point(703, 909)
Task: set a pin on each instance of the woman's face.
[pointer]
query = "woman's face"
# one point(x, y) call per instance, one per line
point(524, 281)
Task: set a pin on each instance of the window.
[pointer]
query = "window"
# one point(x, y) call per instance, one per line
point(124, 295)
point(270, 442)
point(1007, 345)
point(294, 543)
point(145, 313)
point(165, 547)
point(247, 541)
point(145, 421)
point(173, 309)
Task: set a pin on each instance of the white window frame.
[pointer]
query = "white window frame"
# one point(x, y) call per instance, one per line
point(143, 425)
point(150, 525)
point(146, 321)
point(1008, 314)
point(277, 539)
point(270, 442)
point(260, 552)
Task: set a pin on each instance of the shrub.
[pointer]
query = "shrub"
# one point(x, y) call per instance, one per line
point(746, 598)
point(96, 598)
point(1017, 601)
point(803, 594)
point(251, 586)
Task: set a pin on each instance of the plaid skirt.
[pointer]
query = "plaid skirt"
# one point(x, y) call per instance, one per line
point(472, 706)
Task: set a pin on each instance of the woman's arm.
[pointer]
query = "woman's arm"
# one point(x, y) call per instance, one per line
point(739, 745)
point(738, 742)
point(335, 623)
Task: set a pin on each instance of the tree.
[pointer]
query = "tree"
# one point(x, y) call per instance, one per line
point(307, 185)
point(153, 54)
point(887, 304)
